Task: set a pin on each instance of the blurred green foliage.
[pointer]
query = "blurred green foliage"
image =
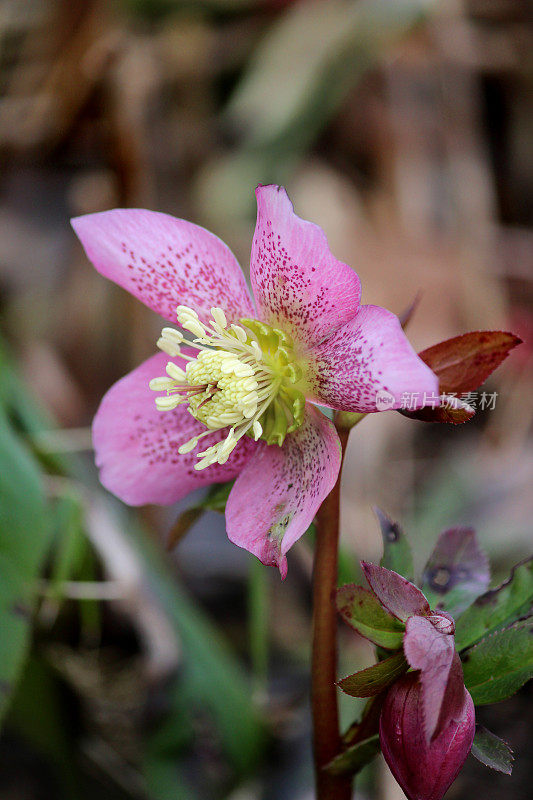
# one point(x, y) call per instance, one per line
point(43, 545)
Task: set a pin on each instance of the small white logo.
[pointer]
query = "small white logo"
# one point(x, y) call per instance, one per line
point(384, 400)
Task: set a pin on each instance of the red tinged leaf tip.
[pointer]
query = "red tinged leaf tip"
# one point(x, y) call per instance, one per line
point(432, 652)
point(465, 362)
point(402, 598)
point(452, 410)
point(425, 770)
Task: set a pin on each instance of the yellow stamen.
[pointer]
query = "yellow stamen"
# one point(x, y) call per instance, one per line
point(242, 379)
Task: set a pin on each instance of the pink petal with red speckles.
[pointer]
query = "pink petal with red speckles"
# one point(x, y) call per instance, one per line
point(368, 365)
point(277, 495)
point(137, 446)
point(165, 262)
point(298, 284)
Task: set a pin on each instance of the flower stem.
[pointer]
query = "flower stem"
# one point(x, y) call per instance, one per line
point(326, 735)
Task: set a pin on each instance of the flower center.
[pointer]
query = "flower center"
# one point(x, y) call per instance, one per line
point(243, 378)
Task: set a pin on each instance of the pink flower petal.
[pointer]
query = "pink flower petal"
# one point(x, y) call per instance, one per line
point(433, 653)
point(277, 495)
point(137, 446)
point(165, 262)
point(297, 283)
point(398, 595)
point(368, 365)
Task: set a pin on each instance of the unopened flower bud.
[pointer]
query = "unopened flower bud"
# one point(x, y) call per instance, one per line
point(425, 771)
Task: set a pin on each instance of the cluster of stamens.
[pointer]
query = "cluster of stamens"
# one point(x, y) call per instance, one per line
point(242, 379)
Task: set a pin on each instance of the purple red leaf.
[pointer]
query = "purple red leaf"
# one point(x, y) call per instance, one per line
point(402, 598)
point(452, 410)
point(457, 571)
point(465, 362)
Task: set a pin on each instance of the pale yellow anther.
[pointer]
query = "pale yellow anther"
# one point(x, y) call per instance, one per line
point(161, 384)
point(257, 429)
point(250, 398)
point(219, 317)
point(168, 402)
point(240, 333)
point(187, 447)
point(185, 311)
point(194, 326)
point(229, 365)
point(258, 353)
point(228, 444)
point(172, 334)
point(175, 372)
point(168, 346)
point(203, 463)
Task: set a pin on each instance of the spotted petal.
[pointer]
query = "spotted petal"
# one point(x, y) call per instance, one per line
point(298, 284)
point(368, 365)
point(280, 490)
point(137, 446)
point(165, 262)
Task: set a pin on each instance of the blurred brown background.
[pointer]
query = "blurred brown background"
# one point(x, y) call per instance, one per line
point(405, 129)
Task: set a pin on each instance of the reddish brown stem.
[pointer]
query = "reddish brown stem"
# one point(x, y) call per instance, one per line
point(326, 735)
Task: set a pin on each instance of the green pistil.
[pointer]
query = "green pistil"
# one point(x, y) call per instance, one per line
point(286, 412)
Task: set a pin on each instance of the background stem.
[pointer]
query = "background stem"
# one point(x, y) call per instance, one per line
point(326, 735)
point(258, 625)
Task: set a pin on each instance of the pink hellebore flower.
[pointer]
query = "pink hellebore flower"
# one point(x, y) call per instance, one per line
point(250, 379)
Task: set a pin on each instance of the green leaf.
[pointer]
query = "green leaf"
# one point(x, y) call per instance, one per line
point(368, 724)
point(371, 681)
point(497, 608)
point(215, 500)
point(217, 496)
point(492, 751)
point(51, 731)
point(499, 665)
point(397, 553)
point(457, 571)
point(352, 760)
point(288, 93)
point(211, 677)
point(24, 537)
point(182, 525)
point(70, 545)
point(361, 609)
